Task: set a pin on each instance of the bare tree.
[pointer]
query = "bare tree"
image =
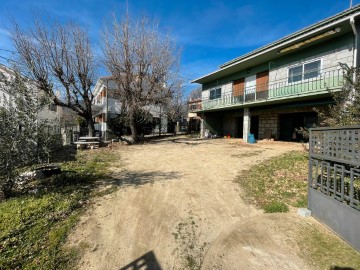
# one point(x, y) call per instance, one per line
point(195, 93)
point(144, 65)
point(176, 108)
point(59, 59)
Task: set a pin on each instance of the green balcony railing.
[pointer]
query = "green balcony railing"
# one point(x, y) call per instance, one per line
point(330, 79)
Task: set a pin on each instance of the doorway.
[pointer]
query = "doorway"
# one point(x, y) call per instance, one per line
point(254, 126)
point(292, 121)
point(239, 124)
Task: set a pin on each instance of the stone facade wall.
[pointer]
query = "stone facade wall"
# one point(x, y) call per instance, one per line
point(268, 119)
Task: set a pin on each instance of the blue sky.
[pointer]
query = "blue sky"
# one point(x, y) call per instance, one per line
point(209, 33)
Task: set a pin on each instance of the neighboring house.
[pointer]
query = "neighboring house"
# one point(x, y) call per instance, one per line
point(272, 91)
point(193, 119)
point(106, 106)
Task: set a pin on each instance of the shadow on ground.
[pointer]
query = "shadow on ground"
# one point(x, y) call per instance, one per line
point(147, 261)
point(186, 141)
point(341, 268)
point(66, 153)
point(138, 178)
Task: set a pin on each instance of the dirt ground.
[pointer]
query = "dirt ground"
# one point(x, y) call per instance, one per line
point(177, 207)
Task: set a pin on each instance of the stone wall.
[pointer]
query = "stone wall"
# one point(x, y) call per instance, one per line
point(268, 119)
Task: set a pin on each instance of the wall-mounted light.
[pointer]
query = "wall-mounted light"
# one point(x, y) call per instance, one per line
point(302, 43)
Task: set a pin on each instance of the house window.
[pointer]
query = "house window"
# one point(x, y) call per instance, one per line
point(304, 71)
point(312, 70)
point(216, 93)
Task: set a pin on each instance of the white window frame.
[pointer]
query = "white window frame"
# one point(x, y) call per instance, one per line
point(302, 72)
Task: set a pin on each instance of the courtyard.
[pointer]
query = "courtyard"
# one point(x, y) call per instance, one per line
point(176, 204)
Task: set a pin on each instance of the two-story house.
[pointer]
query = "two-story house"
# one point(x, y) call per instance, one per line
point(106, 106)
point(273, 90)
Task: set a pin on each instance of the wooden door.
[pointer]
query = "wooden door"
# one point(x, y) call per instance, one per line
point(238, 87)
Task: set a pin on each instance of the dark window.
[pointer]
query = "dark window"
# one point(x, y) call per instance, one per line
point(312, 70)
point(295, 74)
point(216, 93)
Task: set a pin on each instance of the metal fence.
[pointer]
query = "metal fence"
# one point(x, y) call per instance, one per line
point(334, 163)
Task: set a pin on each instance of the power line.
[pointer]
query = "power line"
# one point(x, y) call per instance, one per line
point(8, 59)
point(7, 50)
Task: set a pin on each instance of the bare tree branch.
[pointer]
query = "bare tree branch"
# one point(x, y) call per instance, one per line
point(59, 58)
point(143, 63)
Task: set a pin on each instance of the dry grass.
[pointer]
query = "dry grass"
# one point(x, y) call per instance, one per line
point(321, 248)
point(277, 183)
point(282, 182)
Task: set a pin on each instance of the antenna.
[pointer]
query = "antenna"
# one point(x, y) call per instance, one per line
point(350, 3)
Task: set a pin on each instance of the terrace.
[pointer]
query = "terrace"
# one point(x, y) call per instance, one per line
point(294, 86)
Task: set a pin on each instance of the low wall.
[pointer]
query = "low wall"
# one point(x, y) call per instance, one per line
point(341, 218)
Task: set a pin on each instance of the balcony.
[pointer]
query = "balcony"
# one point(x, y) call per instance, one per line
point(330, 79)
point(195, 105)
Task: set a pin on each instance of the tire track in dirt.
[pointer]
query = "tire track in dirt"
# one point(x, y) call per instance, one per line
point(164, 183)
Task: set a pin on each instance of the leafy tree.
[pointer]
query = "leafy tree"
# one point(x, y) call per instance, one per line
point(145, 123)
point(19, 129)
point(143, 64)
point(346, 108)
point(59, 58)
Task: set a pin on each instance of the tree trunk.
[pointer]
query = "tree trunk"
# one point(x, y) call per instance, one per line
point(91, 126)
point(160, 123)
point(133, 128)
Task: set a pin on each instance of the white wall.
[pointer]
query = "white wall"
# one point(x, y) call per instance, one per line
point(329, 59)
point(226, 89)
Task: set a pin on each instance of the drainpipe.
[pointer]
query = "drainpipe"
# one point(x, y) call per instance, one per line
point(352, 23)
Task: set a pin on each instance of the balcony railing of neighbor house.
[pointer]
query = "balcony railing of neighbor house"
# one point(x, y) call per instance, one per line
point(194, 105)
point(327, 79)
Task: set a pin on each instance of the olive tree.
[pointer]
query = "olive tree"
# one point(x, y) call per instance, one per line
point(346, 108)
point(345, 111)
point(19, 128)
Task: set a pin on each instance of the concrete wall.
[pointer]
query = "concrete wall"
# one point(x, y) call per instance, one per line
point(338, 216)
